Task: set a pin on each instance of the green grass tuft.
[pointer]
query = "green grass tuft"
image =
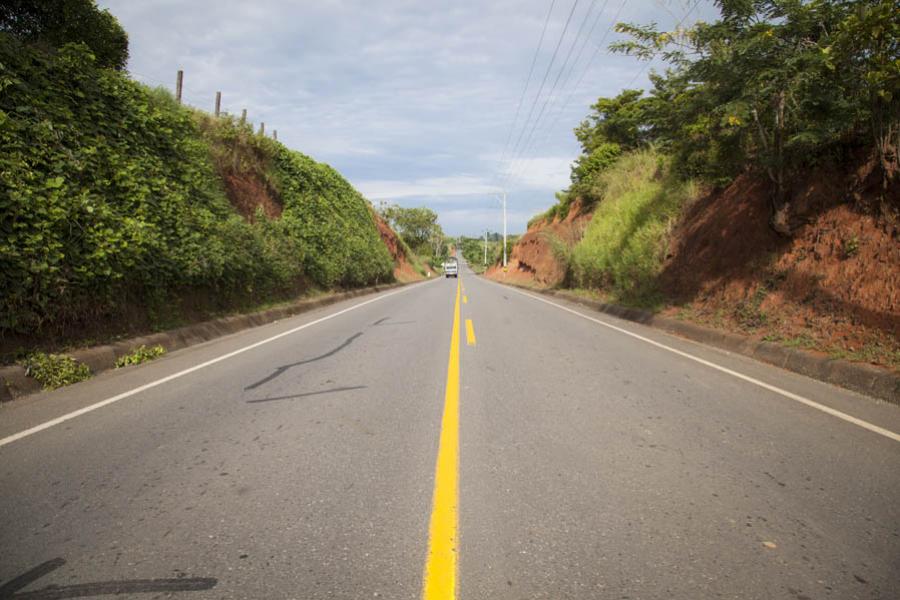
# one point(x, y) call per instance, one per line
point(625, 243)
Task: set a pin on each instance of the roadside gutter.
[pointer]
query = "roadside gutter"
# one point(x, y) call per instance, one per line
point(15, 383)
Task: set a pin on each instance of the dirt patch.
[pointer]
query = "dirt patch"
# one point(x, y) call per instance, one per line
point(248, 191)
point(538, 257)
point(403, 269)
point(834, 285)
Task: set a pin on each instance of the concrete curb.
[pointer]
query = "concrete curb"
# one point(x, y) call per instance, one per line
point(865, 379)
point(15, 383)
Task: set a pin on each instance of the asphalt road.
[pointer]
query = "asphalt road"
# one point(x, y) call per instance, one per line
point(356, 452)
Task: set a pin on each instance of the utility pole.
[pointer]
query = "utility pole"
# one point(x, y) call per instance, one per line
point(218, 103)
point(502, 198)
point(179, 80)
point(484, 262)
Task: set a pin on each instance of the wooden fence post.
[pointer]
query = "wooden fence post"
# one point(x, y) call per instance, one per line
point(178, 82)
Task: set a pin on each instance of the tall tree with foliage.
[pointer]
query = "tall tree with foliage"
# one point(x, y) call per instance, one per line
point(54, 23)
point(417, 226)
point(774, 84)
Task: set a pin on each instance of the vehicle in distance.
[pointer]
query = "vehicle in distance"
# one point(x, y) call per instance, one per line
point(451, 267)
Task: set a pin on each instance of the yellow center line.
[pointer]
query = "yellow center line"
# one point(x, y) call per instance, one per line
point(440, 566)
point(465, 299)
point(470, 333)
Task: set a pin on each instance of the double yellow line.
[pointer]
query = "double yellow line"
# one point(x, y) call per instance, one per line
point(443, 538)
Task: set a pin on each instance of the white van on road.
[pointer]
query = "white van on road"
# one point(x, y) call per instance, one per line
point(451, 267)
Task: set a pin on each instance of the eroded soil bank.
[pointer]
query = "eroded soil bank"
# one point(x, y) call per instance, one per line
point(832, 287)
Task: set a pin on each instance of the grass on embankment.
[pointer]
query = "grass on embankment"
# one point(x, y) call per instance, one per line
point(624, 245)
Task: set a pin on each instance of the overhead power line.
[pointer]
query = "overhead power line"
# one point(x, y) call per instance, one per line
point(555, 84)
point(584, 44)
point(544, 80)
point(585, 71)
point(527, 149)
point(515, 172)
point(537, 52)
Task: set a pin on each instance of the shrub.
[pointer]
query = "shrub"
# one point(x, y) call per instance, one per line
point(333, 222)
point(139, 355)
point(601, 158)
point(55, 370)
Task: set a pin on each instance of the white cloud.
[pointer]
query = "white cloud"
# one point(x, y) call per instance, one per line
point(539, 173)
point(456, 185)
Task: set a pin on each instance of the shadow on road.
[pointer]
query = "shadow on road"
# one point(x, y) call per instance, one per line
point(280, 370)
point(8, 591)
point(383, 321)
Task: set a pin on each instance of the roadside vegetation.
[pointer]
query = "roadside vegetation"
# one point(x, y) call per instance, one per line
point(420, 232)
point(140, 355)
point(775, 87)
point(473, 250)
point(55, 370)
point(754, 186)
point(624, 244)
point(122, 209)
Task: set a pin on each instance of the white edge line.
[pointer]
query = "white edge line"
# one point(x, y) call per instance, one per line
point(77, 413)
point(811, 403)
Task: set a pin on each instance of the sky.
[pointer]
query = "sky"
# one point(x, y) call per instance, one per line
point(418, 103)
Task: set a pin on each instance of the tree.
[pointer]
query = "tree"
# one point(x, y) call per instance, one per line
point(417, 226)
point(602, 157)
point(865, 50)
point(622, 121)
point(775, 85)
point(54, 23)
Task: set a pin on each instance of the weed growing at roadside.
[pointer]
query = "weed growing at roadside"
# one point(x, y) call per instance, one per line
point(139, 355)
point(55, 370)
point(874, 352)
point(850, 247)
point(748, 312)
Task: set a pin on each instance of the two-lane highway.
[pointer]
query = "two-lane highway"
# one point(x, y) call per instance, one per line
point(450, 439)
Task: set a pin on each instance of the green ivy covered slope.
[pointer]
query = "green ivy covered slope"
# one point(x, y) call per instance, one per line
point(111, 198)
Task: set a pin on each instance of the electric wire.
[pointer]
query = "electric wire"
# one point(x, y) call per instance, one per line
point(516, 172)
point(555, 84)
point(537, 51)
point(543, 81)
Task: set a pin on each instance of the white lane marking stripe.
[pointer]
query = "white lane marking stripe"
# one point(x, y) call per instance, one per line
point(811, 403)
point(77, 413)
